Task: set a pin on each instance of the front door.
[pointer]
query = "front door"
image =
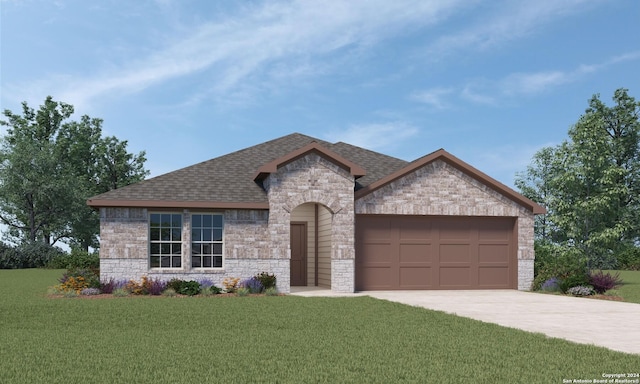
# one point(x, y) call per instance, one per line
point(298, 254)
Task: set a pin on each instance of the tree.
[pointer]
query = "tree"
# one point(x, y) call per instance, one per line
point(591, 182)
point(50, 166)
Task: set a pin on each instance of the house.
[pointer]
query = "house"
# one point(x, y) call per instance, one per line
point(322, 214)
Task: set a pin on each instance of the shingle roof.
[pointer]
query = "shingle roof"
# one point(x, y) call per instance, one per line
point(229, 180)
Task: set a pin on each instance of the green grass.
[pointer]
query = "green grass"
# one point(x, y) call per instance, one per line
point(268, 339)
point(630, 290)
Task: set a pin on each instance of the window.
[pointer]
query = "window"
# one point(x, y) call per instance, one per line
point(206, 240)
point(165, 240)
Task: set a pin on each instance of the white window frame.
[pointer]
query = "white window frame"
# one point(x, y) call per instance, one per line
point(207, 241)
point(157, 246)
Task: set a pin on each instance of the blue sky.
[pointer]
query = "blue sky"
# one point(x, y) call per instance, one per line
point(489, 81)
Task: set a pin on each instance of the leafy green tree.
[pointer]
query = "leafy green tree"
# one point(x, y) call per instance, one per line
point(50, 165)
point(591, 182)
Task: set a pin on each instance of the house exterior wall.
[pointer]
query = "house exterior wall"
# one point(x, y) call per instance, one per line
point(324, 247)
point(440, 189)
point(124, 242)
point(312, 178)
point(307, 213)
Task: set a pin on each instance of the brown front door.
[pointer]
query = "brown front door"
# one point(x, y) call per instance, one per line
point(298, 254)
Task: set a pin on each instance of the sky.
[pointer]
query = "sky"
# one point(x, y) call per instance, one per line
point(491, 82)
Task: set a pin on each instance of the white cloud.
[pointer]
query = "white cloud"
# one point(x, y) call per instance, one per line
point(507, 21)
point(375, 136)
point(238, 47)
point(435, 97)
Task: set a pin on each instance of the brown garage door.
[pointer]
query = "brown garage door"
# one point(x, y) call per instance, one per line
point(427, 252)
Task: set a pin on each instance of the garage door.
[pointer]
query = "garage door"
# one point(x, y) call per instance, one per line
point(426, 252)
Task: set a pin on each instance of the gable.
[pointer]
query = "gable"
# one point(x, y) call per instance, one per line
point(465, 172)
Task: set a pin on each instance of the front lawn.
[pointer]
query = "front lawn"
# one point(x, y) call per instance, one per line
point(630, 289)
point(268, 339)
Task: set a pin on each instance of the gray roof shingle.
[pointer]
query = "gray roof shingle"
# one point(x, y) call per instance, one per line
point(229, 178)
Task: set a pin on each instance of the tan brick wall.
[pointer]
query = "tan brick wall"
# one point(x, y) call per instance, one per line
point(440, 189)
point(313, 179)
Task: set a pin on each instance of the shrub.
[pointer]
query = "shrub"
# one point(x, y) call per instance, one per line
point(580, 290)
point(272, 291)
point(253, 285)
point(73, 284)
point(90, 292)
point(108, 286)
point(189, 288)
point(629, 259)
point(603, 282)
point(268, 280)
point(156, 286)
point(551, 285)
point(138, 288)
point(242, 291)
point(77, 259)
point(34, 254)
point(169, 292)
point(230, 284)
point(574, 281)
point(205, 283)
point(215, 290)
point(92, 279)
point(560, 261)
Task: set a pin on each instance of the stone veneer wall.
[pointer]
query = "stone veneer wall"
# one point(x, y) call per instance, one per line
point(124, 246)
point(313, 179)
point(440, 189)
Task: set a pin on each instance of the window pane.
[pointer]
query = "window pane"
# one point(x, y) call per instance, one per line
point(206, 261)
point(196, 249)
point(155, 261)
point(206, 235)
point(165, 249)
point(176, 234)
point(176, 221)
point(217, 249)
point(166, 220)
point(176, 249)
point(155, 220)
point(155, 249)
point(217, 235)
point(206, 221)
point(165, 234)
point(195, 235)
point(196, 221)
point(206, 249)
point(155, 234)
point(195, 262)
point(177, 261)
point(165, 261)
point(217, 221)
point(217, 261)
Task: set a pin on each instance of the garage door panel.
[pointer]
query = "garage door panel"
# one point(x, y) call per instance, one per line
point(377, 278)
point(455, 253)
point(455, 277)
point(493, 253)
point(415, 253)
point(416, 277)
point(378, 252)
point(493, 277)
point(435, 252)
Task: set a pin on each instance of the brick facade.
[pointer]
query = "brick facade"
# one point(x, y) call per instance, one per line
point(440, 189)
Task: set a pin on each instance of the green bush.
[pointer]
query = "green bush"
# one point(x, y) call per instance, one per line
point(629, 259)
point(182, 287)
point(567, 264)
point(77, 259)
point(27, 255)
point(242, 291)
point(268, 280)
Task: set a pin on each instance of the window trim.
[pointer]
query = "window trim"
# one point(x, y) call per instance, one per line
point(170, 242)
point(221, 242)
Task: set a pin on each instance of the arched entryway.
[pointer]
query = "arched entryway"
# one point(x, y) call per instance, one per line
point(310, 245)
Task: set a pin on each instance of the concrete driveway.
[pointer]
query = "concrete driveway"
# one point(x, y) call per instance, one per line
point(608, 324)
